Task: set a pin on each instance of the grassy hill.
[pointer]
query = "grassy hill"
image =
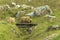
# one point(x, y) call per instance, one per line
point(39, 33)
point(9, 31)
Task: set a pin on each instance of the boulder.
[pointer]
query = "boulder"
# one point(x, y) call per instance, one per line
point(43, 10)
point(10, 19)
point(53, 27)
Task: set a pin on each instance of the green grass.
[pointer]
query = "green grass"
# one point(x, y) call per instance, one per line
point(6, 32)
point(38, 33)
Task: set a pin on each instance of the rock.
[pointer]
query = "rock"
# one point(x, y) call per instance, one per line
point(25, 19)
point(10, 19)
point(53, 27)
point(43, 10)
point(29, 30)
point(16, 33)
point(17, 6)
point(51, 36)
point(18, 14)
point(13, 3)
point(24, 6)
point(32, 7)
point(7, 7)
point(50, 17)
point(1, 7)
point(30, 14)
point(47, 0)
point(29, 0)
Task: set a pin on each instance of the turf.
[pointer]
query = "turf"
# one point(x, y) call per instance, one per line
point(38, 33)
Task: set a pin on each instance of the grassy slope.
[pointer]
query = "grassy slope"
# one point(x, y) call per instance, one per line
point(7, 32)
point(38, 33)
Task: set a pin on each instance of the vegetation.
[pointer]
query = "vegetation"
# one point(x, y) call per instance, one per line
point(39, 33)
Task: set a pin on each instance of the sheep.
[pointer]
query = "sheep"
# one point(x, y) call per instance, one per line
point(10, 19)
point(25, 19)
